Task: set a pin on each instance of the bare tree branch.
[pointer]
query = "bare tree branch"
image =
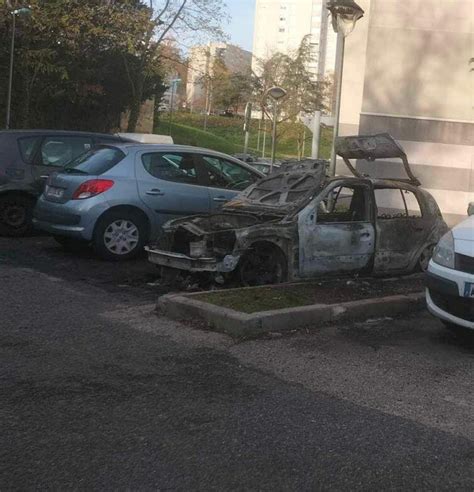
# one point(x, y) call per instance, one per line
point(173, 20)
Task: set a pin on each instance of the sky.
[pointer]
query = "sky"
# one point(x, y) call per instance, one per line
point(240, 28)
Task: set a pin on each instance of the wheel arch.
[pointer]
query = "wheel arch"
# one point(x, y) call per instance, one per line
point(129, 209)
point(275, 246)
point(24, 193)
point(414, 264)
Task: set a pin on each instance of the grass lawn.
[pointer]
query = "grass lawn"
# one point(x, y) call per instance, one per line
point(253, 300)
point(226, 135)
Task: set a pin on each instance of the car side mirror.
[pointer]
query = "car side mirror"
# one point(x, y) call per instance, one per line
point(470, 209)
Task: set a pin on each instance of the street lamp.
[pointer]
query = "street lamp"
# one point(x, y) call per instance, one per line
point(25, 11)
point(345, 14)
point(276, 93)
point(174, 84)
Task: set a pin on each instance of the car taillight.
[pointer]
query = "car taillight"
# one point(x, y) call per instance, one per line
point(91, 188)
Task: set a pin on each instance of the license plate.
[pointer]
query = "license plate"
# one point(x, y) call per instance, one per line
point(469, 289)
point(54, 192)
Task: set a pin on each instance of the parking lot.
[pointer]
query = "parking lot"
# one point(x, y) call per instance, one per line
point(100, 392)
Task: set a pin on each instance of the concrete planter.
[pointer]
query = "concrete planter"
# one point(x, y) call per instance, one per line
point(243, 325)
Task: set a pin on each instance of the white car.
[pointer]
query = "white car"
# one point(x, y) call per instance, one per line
point(450, 276)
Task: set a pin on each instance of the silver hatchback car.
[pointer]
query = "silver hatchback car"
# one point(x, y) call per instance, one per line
point(117, 197)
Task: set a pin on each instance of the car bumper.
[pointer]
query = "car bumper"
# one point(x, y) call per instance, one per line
point(75, 219)
point(445, 295)
point(180, 261)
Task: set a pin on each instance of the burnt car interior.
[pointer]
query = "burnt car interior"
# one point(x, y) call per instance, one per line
point(347, 204)
point(396, 203)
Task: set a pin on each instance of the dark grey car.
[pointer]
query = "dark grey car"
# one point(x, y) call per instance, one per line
point(27, 158)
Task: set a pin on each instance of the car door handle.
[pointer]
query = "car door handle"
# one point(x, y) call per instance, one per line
point(220, 199)
point(365, 234)
point(155, 192)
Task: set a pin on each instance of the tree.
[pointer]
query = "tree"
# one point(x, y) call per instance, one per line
point(180, 17)
point(69, 69)
point(233, 91)
point(305, 93)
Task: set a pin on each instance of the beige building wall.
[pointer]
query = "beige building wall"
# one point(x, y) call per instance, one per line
point(407, 72)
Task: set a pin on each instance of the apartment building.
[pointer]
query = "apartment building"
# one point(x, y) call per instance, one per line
point(280, 26)
point(408, 72)
point(201, 63)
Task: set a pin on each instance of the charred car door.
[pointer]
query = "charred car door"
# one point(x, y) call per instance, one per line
point(402, 227)
point(336, 230)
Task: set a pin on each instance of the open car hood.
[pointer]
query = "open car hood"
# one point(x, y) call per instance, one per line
point(371, 148)
point(283, 192)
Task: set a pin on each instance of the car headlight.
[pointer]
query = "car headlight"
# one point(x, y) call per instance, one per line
point(444, 252)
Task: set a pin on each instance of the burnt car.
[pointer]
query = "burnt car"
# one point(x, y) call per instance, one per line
point(300, 223)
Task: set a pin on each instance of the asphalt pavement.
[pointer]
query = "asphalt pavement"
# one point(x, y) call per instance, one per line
point(100, 393)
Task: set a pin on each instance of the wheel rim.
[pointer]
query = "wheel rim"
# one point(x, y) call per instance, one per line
point(121, 237)
point(261, 268)
point(425, 258)
point(14, 215)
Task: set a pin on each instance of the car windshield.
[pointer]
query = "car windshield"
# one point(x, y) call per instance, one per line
point(96, 161)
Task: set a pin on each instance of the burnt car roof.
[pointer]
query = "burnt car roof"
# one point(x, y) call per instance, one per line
point(371, 148)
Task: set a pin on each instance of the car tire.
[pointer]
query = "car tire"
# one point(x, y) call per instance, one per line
point(425, 257)
point(16, 215)
point(264, 264)
point(120, 235)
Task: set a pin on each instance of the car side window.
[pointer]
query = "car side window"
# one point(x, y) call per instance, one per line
point(171, 166)
point(58, 151)
point(344, 204)
point(396, 203)
point(412, 204)
point(222, 173)
point(28, 147)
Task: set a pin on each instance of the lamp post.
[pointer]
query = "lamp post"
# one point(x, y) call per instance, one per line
point(276, 93)
point(345, 14)
point(174, 84)
point(23, 11)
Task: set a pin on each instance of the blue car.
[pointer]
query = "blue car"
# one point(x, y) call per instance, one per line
point(117, 197)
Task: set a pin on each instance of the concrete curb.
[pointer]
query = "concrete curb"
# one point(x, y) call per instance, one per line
point(241, 325)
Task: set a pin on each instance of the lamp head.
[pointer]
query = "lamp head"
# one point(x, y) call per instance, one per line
point(345, 14)
point(276, 93)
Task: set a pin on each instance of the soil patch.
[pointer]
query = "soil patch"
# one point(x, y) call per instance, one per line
point(269, 298)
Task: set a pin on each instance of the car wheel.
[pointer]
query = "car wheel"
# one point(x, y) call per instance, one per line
point(120, 236)
point(263, 265)
point(16, 213)
point(425, 258)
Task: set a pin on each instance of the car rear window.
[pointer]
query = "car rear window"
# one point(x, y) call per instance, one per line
point(96, 161)
point(28, 147)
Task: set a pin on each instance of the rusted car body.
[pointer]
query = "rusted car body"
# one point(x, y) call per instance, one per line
point(299, 224)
